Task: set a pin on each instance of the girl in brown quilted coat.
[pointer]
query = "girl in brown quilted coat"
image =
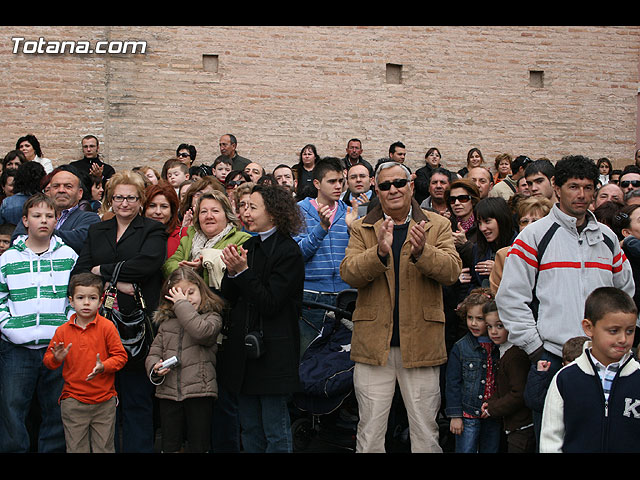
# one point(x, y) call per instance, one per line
point(189, 322)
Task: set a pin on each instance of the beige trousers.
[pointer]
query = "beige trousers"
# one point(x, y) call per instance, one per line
point(374, 388)
point(89, 427)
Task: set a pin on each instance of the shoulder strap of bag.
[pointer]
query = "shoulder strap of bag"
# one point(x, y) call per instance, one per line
point(116, 272)
point(542, 246)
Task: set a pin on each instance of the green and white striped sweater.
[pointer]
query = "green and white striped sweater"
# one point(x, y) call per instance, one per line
point(33, 292)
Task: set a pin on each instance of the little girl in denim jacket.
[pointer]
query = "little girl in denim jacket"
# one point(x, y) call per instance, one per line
point(470, 380)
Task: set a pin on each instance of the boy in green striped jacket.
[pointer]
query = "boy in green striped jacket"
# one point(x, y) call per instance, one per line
point(34, 275)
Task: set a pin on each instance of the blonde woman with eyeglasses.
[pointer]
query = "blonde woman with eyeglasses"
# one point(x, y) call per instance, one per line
point(141, 243)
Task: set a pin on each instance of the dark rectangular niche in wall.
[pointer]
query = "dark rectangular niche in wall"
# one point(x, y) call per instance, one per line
point(210, 63)
point(536, 78)
point(394, 73)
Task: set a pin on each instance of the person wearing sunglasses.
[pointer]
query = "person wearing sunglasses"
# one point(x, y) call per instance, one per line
point(186, 154)
point(398, 257)
point(630, 179)
point(462, 197)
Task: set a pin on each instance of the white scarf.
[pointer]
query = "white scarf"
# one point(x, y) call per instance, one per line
point(201, 241)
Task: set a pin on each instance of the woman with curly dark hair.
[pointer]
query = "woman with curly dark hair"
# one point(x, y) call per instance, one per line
point(263, 284)
point(26, 183)
point(30, 148)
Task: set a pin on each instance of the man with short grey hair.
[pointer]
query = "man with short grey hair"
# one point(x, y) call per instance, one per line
point(228, 145)
point(398, 258)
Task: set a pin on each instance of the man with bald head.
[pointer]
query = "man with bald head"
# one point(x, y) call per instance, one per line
point(66, 188)
point(483, 180)
point(608, 193)
point(255, 171)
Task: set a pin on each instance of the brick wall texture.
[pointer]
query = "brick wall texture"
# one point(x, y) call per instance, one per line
point(278, 88)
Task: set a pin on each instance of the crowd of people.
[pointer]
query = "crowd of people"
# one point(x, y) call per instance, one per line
point(499, 298)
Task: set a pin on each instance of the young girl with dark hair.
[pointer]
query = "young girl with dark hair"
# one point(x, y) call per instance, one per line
point(496, 230)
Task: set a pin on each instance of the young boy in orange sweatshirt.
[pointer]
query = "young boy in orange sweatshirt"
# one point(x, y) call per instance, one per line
point(90, 349)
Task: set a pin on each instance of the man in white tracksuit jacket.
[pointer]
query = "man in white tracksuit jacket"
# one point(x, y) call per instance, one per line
point(581, 255)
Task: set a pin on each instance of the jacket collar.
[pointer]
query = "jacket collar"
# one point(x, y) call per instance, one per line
point(627, 366)
point(111, 227)
point(591, 231)
point(377, 214)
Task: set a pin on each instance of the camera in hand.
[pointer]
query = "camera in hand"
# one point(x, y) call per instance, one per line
point(169, 363)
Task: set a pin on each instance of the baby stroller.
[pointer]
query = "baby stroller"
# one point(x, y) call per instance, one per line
point(326, 408)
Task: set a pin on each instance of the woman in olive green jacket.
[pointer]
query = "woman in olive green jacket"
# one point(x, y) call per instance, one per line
point(215, 226)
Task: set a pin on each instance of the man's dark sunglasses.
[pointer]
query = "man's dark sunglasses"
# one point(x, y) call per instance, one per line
point(626, 183)
point(399, 183)
point(460, 198)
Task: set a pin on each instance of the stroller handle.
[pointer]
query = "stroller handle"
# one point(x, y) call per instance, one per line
point(340, 311)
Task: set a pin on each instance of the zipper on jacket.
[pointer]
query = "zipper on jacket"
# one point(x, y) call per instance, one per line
point(179, 369)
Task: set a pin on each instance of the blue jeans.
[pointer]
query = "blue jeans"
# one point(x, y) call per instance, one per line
point(479, 435)
point(313, 318)
point(22, 374)
point(265, 423)
point(536, 389)
point(225, 427)
point(134, 415)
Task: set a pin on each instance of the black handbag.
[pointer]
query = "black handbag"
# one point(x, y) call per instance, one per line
point(135, 328)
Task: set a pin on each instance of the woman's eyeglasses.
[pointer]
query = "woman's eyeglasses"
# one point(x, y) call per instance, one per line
point(235, 183)
point(399, 183)
point(460, 198)
point(122, 198)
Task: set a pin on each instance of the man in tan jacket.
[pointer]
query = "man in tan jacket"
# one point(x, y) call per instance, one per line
point(398, 258)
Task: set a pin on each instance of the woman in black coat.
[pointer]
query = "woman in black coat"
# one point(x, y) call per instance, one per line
point(142, 244)
point(263, 284)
